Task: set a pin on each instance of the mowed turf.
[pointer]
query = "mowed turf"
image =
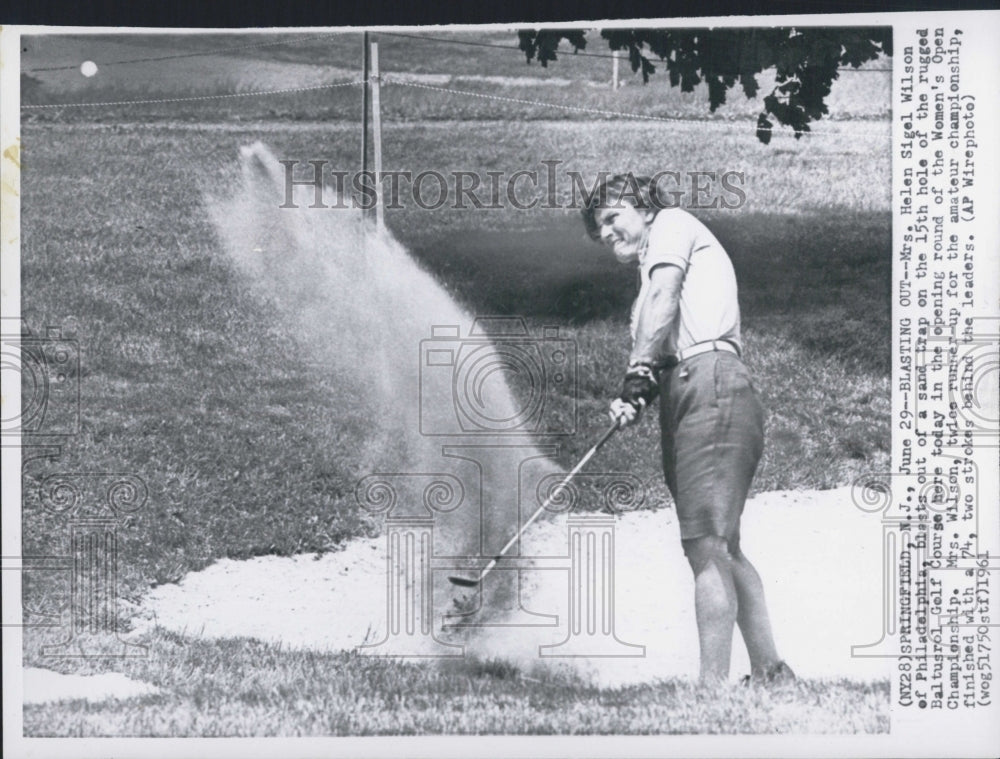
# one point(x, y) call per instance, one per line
point(250, 447)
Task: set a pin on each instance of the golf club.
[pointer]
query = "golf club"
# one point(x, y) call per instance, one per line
point(470, 583)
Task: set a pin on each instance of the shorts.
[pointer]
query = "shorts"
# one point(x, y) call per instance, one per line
point(712, 427)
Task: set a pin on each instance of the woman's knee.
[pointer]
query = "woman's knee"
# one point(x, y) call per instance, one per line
point(703, 550)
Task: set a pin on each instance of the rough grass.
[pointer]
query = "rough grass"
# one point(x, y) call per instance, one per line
point(249, 447)
point(240, 687)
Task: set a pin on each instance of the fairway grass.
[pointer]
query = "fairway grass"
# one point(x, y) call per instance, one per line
point(249, 446)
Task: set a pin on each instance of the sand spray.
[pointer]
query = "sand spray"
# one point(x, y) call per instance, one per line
point(361, 306)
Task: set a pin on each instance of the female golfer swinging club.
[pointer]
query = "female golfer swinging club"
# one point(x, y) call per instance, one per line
point(686, 349)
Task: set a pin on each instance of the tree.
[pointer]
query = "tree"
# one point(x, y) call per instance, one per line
point(805, 61)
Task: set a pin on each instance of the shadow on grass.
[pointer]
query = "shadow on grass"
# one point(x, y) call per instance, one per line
point(822, 280)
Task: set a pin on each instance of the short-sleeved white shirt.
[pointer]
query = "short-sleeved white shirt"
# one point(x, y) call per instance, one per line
point(708, 309)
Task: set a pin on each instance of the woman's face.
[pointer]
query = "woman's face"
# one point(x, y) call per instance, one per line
point(623, 228)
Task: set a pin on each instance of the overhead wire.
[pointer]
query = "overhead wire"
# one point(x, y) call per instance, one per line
point(273, 43)
point(387, 79)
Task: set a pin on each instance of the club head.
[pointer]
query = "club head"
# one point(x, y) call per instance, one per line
point(463, 581)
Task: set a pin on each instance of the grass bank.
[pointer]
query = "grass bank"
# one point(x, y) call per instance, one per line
point(242, 687)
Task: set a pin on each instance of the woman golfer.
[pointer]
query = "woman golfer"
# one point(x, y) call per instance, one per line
point(686, 349)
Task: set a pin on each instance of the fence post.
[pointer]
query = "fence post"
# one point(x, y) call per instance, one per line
point(377, 133)
point(364, 105)
point(614, 70)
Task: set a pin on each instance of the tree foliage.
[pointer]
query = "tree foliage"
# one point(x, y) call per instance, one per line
point(805, 61)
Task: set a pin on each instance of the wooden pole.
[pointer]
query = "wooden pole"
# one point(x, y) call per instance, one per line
point(364, 106)
point(614, 70)
point(377, 134)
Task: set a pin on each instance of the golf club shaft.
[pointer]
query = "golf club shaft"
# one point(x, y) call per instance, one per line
point(566, 480)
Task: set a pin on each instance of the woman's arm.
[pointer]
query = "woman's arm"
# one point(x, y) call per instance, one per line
point(655, 321)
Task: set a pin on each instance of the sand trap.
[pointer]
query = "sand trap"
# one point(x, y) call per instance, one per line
point(817, 553)
point(42, 685)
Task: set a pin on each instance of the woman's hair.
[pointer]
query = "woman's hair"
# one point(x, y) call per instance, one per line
point(638, 192)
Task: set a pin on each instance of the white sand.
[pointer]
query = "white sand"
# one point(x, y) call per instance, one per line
point(41, 685)
point(817, 553)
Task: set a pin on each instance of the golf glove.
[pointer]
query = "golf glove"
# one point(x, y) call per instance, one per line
point(640, 384)
point(639, 389)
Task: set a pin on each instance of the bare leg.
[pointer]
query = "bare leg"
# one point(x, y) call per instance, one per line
point(752, 617)
point(715, 603)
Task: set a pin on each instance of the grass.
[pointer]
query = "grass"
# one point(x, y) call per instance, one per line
point(249, 446)
point(821, 369)
point(240, 687)
point(174, 352)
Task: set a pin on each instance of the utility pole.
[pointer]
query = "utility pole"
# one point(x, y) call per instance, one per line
point(364, 106)
point(377, 133)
